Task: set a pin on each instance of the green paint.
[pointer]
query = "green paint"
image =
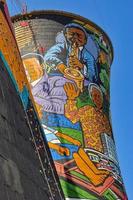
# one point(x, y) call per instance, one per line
point(75, 134)
point(102, 46)
point(79, 175)
point(73, 191)
point(109, 195)
point(84, 99)
point(105, 79)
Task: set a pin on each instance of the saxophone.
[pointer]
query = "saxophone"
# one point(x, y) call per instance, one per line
point(72, 72)
point(73, 54)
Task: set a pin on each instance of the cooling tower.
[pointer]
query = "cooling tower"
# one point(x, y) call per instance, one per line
point(67, 61)
point(26, 167)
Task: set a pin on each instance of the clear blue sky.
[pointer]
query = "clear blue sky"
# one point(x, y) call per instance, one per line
point(116, 18)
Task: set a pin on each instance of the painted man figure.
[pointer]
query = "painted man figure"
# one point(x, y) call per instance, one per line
point(73, 38)
point(94, 123)
point(70, 51)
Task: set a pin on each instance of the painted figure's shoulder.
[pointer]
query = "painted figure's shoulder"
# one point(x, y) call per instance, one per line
point(60, 38)
point(86, 54)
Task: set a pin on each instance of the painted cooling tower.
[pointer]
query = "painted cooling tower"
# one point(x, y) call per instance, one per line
point(26, 168)
point(67, 60)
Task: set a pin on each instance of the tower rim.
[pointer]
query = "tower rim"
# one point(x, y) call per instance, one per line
point(39, 14)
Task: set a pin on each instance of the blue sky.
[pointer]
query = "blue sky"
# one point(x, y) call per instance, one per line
point(115, 17)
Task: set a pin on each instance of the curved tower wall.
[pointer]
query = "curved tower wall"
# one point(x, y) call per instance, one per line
point(24, 156)
point(67, 61)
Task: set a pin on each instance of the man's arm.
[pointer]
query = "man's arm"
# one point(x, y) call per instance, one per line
point(52, 55)
point(90, 71)
point(71, 110)
point(61, 150)
point(68, 138)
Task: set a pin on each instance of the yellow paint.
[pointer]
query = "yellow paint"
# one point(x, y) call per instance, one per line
point(10, 51)
point(87, 26)
point(33, 68)
point(20, 31)
point(87, 167)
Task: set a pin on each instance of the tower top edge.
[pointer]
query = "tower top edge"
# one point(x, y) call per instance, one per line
point(39, 14)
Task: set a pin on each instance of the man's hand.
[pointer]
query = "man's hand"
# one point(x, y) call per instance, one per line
point(61, 67)
point(63, 151)
point(71, 90)
point(75, 63)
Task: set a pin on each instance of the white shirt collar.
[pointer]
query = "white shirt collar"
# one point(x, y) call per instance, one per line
point(81, 48)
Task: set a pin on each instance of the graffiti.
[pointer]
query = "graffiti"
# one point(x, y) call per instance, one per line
point(70, 85)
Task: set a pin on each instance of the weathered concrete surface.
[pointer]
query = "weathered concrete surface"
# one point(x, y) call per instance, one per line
point(20, 177)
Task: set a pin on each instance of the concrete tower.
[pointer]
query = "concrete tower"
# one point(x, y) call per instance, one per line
point(26, 168)
point(67, 60)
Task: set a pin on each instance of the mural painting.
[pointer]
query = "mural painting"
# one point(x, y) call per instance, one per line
point(13, 72)
point(70, 84)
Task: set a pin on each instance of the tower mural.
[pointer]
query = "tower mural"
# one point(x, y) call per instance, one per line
point(26, 166)
point(67, 61)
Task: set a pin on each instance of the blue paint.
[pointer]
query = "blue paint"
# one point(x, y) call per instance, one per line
point(58, 120)
point(24, 95)
point(51, 137)
point(57, 156)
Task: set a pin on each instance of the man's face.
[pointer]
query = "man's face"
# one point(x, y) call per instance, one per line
point(97, 97)
point(75, 36)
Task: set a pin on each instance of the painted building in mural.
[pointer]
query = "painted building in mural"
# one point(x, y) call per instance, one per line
point(26, 168)
point(67, 61)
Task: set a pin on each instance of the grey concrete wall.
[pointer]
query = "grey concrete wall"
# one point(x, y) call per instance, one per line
point(20, 177)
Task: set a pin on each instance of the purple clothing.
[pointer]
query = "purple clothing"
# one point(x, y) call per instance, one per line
point(50, 94)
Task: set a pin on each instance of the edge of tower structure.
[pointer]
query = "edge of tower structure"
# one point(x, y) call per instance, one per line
point(34, 14)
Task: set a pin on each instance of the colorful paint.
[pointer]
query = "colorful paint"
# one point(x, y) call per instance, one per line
point(11, 65)
point(67, 61)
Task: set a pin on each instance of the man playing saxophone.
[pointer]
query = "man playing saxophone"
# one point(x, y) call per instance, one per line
point(70, 50)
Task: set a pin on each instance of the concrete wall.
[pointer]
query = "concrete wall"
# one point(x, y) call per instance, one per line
point(26, 168)
point(19, 165)
point(67, 61)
